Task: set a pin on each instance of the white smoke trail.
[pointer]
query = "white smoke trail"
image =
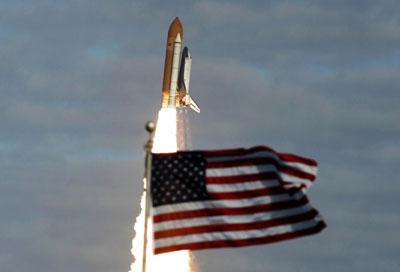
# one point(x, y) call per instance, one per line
point(137, 242)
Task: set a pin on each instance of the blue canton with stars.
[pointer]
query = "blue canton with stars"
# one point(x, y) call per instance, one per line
point(177, 178)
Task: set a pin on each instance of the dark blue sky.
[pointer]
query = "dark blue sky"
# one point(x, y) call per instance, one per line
point(78, 80)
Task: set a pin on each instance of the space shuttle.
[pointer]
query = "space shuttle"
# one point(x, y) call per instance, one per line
point(176, 80)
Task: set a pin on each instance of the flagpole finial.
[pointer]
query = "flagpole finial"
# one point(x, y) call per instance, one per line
point(150, 126)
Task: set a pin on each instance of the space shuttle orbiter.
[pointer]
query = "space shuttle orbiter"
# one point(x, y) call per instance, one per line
point(175, 90)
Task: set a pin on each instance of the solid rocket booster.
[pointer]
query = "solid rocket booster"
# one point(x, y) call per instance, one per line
point(175, 90)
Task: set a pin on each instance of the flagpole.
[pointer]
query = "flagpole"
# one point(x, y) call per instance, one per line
point(150, 127)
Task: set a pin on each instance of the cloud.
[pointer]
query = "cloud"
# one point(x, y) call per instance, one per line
point(338, 34)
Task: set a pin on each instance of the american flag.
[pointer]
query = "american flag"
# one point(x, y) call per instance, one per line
point(231, 198)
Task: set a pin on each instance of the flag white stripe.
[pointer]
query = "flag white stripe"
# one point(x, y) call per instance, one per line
point(237, 187)
point(248, 170)
point(231, 219)
point(235, 235)
point(240, 170)
point(236, 203)
point(313, 170)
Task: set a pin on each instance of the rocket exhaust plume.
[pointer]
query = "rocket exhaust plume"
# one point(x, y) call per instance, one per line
point(165, 138)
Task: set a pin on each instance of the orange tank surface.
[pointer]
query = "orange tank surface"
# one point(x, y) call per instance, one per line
point(174, 29)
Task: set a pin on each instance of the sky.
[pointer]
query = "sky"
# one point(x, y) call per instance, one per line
point(79, 79)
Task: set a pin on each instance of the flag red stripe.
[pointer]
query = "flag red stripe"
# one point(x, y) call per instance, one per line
point(237, 151)
point(243, 151)
point(242, 162)
point(295, 158)
point(259, 161)
point(247, 194)
point(230, 211)
point(242, 178)
point(243, 242)
point(236, 226)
